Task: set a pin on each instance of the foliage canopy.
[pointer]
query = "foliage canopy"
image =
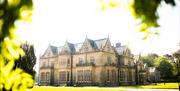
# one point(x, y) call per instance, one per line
point(144, 10)
point(10, 12)
point(28, 61)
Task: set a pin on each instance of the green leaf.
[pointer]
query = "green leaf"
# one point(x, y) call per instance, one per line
point(103, 7)
point(145, 37)
point(113, 4)
point(156, 33)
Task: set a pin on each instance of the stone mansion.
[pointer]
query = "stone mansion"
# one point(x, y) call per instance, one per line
point(92, 62)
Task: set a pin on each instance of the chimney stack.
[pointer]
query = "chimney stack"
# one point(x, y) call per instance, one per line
point(118, 45)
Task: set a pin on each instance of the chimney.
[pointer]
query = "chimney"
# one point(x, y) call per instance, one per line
point(118, 45)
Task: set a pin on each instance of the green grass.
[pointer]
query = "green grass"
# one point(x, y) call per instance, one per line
point(121, 88)
point(49, 88)
point(158, 86)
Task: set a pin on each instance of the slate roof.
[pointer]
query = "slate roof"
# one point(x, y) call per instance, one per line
point(77, 46)
point(54, 49)
point(94, 43)
point(97, 44)
point(71, 46)
point(121, 49)
point(100, 43)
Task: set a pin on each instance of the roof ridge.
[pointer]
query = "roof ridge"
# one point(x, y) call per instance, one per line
point(53, 46)
point(100, 39)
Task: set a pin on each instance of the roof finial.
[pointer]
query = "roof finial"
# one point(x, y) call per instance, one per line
point(66, 40)
point(86, 36)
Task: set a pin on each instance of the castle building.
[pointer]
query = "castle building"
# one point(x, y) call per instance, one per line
point(92, 62)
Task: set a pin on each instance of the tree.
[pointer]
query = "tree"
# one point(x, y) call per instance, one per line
point(149, 59)
point(176, 56)
point(27, 61)
point(166, 67)
point(10, 12)
point(144, 10)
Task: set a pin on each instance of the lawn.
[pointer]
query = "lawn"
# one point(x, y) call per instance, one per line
point(159, 85)
point(49, 88)
point(121, 88)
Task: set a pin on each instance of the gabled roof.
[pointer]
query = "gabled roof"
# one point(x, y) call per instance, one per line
point(54, 49)
point(96, 44)
point(68, 47)
point(100, 43)
point(77, 46)
point(71, 46)
point(93, 45)
point(121, 50)
point(59, 49)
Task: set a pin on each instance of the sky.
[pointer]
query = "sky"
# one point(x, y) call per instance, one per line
point(55, 21)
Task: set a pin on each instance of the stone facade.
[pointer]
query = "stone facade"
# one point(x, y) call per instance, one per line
point(93, 62)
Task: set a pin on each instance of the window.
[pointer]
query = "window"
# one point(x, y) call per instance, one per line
point(130, 75)
point(68, 61)
point(92, 60)
point(86, 47)
point(44, 64)
point(80, 61)
point(62, 75)
point(129, 62)
point(42, 76)
point(52, 64)
point(68, 76)
point(47, 76)
point(122, 75)
point(47, 65)
point(109, 60)
point(62, 62)
point(113, 75)
point(80, 75)
point(87, 75)
point(108, 77)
